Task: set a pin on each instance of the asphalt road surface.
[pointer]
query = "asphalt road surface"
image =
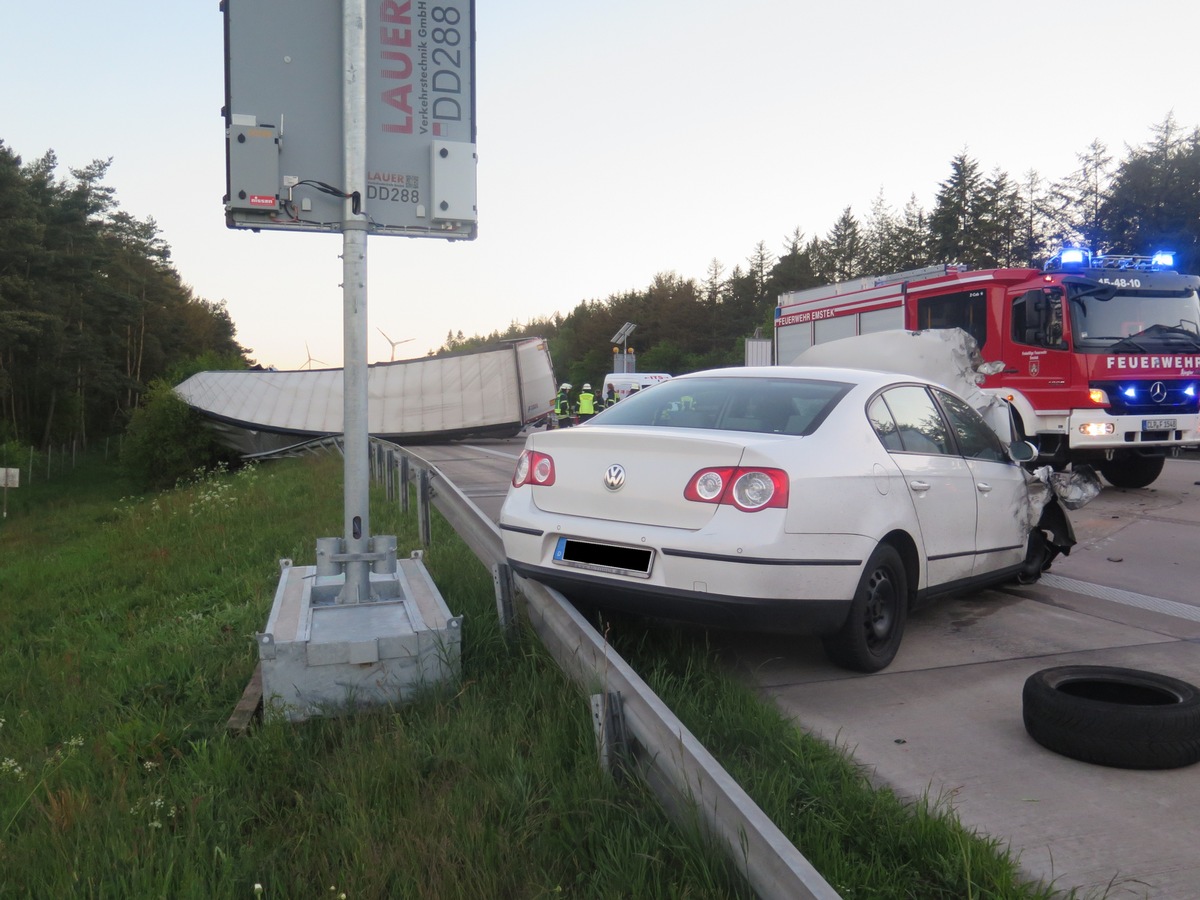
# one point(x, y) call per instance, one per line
point(944, 721)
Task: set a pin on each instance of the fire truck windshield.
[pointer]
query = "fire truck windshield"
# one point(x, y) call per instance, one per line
point(1134, 321)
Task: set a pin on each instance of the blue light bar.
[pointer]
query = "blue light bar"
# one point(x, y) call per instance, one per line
point(1164, 258)
point(1072, 256)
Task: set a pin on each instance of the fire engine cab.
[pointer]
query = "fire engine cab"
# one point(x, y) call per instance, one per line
point(1101, 353)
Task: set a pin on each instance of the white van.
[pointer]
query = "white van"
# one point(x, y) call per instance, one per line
point(622, 382)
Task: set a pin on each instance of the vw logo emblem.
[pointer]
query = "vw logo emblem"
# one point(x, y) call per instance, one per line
point(614, 477)
point(1158, 392)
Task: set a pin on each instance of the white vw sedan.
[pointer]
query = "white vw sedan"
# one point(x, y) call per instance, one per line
point(819, 500)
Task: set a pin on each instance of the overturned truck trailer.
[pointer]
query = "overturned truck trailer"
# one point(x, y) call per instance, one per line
point(496, 392)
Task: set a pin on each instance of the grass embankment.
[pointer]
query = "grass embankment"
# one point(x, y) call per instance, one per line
point(128, 630)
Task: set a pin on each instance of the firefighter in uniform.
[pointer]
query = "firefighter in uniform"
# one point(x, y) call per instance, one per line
point(587, 403)
point(562, 406)
point(610, 396)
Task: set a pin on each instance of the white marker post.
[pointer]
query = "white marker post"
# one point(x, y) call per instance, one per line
point(10, 478)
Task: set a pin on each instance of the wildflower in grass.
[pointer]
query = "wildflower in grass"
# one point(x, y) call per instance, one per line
point(53, 763)
point(154, 808)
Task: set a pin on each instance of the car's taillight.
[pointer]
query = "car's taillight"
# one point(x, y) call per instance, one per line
point(748, 489)
point(533, 468)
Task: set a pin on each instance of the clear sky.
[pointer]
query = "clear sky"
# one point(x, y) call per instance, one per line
point(616, 140)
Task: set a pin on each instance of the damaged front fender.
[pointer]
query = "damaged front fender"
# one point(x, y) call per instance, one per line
point(1051, 494)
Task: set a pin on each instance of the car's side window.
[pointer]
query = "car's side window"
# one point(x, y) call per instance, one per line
point(884, 425)
point(975, 439)
point(918, 420)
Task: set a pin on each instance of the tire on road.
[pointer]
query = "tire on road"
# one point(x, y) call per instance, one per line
point(870, 637)
point(1110, 716)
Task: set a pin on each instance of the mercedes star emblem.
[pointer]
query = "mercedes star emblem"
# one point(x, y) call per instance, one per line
point(1158, 392)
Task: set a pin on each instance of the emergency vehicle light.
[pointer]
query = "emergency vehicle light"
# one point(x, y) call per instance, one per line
point(1164, 258)
point(1190, 390)
point(1130, 392)
point(1070, 258)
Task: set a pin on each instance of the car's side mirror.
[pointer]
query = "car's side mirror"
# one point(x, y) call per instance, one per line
point(1022, 452)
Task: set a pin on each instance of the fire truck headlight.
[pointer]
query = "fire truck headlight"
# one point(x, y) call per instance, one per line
point(1097, 429)
point(1098, 396)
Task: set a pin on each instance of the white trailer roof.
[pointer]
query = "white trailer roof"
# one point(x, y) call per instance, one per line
point(421, 397)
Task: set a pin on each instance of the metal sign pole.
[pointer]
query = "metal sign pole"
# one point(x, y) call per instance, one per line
point(356, 503)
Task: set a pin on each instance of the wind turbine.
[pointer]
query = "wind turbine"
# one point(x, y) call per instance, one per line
point(308, 362)
point(393, 343)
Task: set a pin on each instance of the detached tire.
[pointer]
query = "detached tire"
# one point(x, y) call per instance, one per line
point(1109, 716)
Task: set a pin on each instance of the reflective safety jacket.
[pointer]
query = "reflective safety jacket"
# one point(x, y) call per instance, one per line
point(562, 404)
point(587, 403)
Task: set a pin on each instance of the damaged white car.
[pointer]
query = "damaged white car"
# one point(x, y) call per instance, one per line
point(800, 499)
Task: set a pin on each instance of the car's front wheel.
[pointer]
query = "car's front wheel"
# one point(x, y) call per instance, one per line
point(1132, 471)
point(870, 637)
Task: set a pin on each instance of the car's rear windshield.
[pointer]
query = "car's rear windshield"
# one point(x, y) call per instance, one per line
point(795, 406)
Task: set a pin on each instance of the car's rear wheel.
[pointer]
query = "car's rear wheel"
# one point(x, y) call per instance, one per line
point(870, 636)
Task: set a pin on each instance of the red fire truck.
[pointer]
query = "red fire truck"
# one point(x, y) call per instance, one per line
point(1101, 353)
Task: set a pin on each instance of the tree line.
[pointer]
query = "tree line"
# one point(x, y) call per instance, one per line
point(92, 311)
point(1147, 200)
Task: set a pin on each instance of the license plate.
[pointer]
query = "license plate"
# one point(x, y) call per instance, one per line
point(612, 558)
point(1158, 424)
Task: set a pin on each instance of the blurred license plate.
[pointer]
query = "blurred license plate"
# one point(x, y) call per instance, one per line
point(1158, 424)
point(613, 558)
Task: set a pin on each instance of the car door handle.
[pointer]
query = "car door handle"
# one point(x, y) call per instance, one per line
point(983, 487)
point(919, 485)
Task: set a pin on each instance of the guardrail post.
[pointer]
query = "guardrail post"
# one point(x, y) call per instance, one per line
point(404, 484)
point(396, 474)
point(502, 576)
point(423, 495)
point(612, 742)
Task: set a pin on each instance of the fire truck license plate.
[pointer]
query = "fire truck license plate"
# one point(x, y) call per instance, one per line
point(1158, 424)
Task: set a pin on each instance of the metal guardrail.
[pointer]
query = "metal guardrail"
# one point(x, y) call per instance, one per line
point(685, 777)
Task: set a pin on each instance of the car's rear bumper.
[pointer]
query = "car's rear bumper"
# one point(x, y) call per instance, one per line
point(771, 614)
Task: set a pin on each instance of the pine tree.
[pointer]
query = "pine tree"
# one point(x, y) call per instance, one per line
point(956, 219)
point(1153, 202)
point(1075, 201)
